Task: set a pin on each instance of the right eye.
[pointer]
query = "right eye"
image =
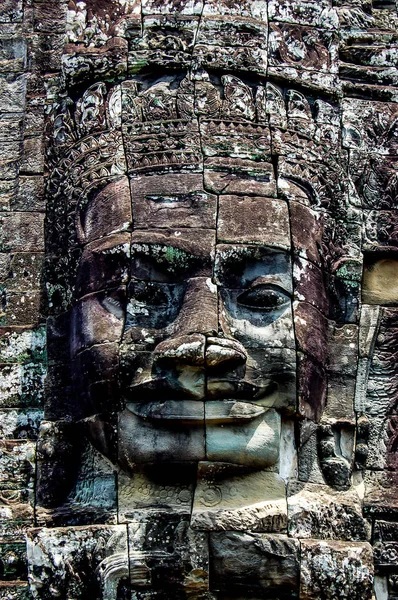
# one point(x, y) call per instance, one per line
point(263, 297)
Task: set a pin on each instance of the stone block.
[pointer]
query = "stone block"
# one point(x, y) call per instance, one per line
point(104, 264)
point(386, 556)
point(340, 398)
point(254, 443)
point(140, 495)
point(312, 387)
point(16, 514)
point(362, 128)
point(380, 498)
point(240, 177)
point(49, 17)
point(94, 323)
point(17, 462)
point(310, 12)
point(32, 160)
point(250, 501)
point(243, 9)
point(14, 590)
point(25, 272)
point(310, 284)
point(380, 282)
point(22, 345)
point(254, 565)
point(175, 200)
point(45, 52)
point(20, 423)
point(146, 441)
point(99, 554)
point(319, 511)
point(23, 308)
point(317, 61)
point(309, 320)
point(380, 232)
point(22, 232)
point(189, 7)
point(11, 11)
point(22, 385)
point(253, 220)
point(373, 176)
point(385, 531)
point(12, 92)
point(168, 558)
point(333, 570)
point(95, 379)
point(12, 54)
point(248, 141)
point(13, 560)
point(108, 213)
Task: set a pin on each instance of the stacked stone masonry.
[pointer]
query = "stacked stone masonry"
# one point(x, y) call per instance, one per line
point(198, 299)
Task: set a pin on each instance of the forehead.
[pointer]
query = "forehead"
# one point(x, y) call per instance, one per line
point(177, 209)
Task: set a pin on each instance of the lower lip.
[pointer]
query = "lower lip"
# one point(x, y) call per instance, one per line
point(196, 412)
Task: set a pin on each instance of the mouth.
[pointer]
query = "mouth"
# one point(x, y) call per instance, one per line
point(211, 412)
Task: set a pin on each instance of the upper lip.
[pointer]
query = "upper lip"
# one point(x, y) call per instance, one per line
point(217, 389)
point(226, 411)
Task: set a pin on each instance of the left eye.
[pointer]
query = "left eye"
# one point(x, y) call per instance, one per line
point(114, 305)
point(263, 297)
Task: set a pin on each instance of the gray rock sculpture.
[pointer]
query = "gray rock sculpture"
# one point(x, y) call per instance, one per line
point(198, 347)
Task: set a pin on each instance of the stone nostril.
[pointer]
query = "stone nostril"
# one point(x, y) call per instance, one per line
point(187, 349)
point(224, 353)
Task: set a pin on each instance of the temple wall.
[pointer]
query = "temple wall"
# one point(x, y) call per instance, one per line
point(341, 53)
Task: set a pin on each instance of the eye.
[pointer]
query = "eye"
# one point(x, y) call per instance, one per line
point(114, 305)
point(263, 297)
point(149, 293)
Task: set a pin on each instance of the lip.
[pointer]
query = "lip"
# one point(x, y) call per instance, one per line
point(211, 412)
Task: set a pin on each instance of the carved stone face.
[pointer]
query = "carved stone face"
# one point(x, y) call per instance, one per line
point(185, 332)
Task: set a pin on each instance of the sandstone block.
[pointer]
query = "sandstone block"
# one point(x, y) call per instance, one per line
point(254, 502)
point(333, 570)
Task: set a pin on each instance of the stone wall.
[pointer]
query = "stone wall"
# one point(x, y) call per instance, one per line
point(325, 521)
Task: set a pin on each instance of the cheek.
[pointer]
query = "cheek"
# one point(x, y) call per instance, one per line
point(96, 379)
point(92, 324)
point(277, 334)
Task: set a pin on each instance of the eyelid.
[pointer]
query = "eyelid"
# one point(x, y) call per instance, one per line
point(273, 283)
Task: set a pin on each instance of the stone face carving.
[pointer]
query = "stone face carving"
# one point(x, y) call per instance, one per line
point(220, 407)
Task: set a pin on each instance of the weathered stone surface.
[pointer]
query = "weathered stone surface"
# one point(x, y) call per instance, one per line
point(14, 590)
point(253, 220)
point(380, 497)
point(319, 511)
point(20, 424)
point(220, 240)
point(224, 501)
point(254, 443)
point(22, 232)
point(141, 495)
point(336, 569)
point(175, 200)
point(168, 557)
point(98, 555)
point(254, 564)
point(379, 284)
point(238, 176)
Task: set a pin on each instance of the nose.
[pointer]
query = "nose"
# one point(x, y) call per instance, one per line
point(195, 350)
point(193, 353)
point(199, 310)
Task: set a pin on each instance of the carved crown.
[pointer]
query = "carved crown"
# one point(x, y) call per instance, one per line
point(176, 123)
